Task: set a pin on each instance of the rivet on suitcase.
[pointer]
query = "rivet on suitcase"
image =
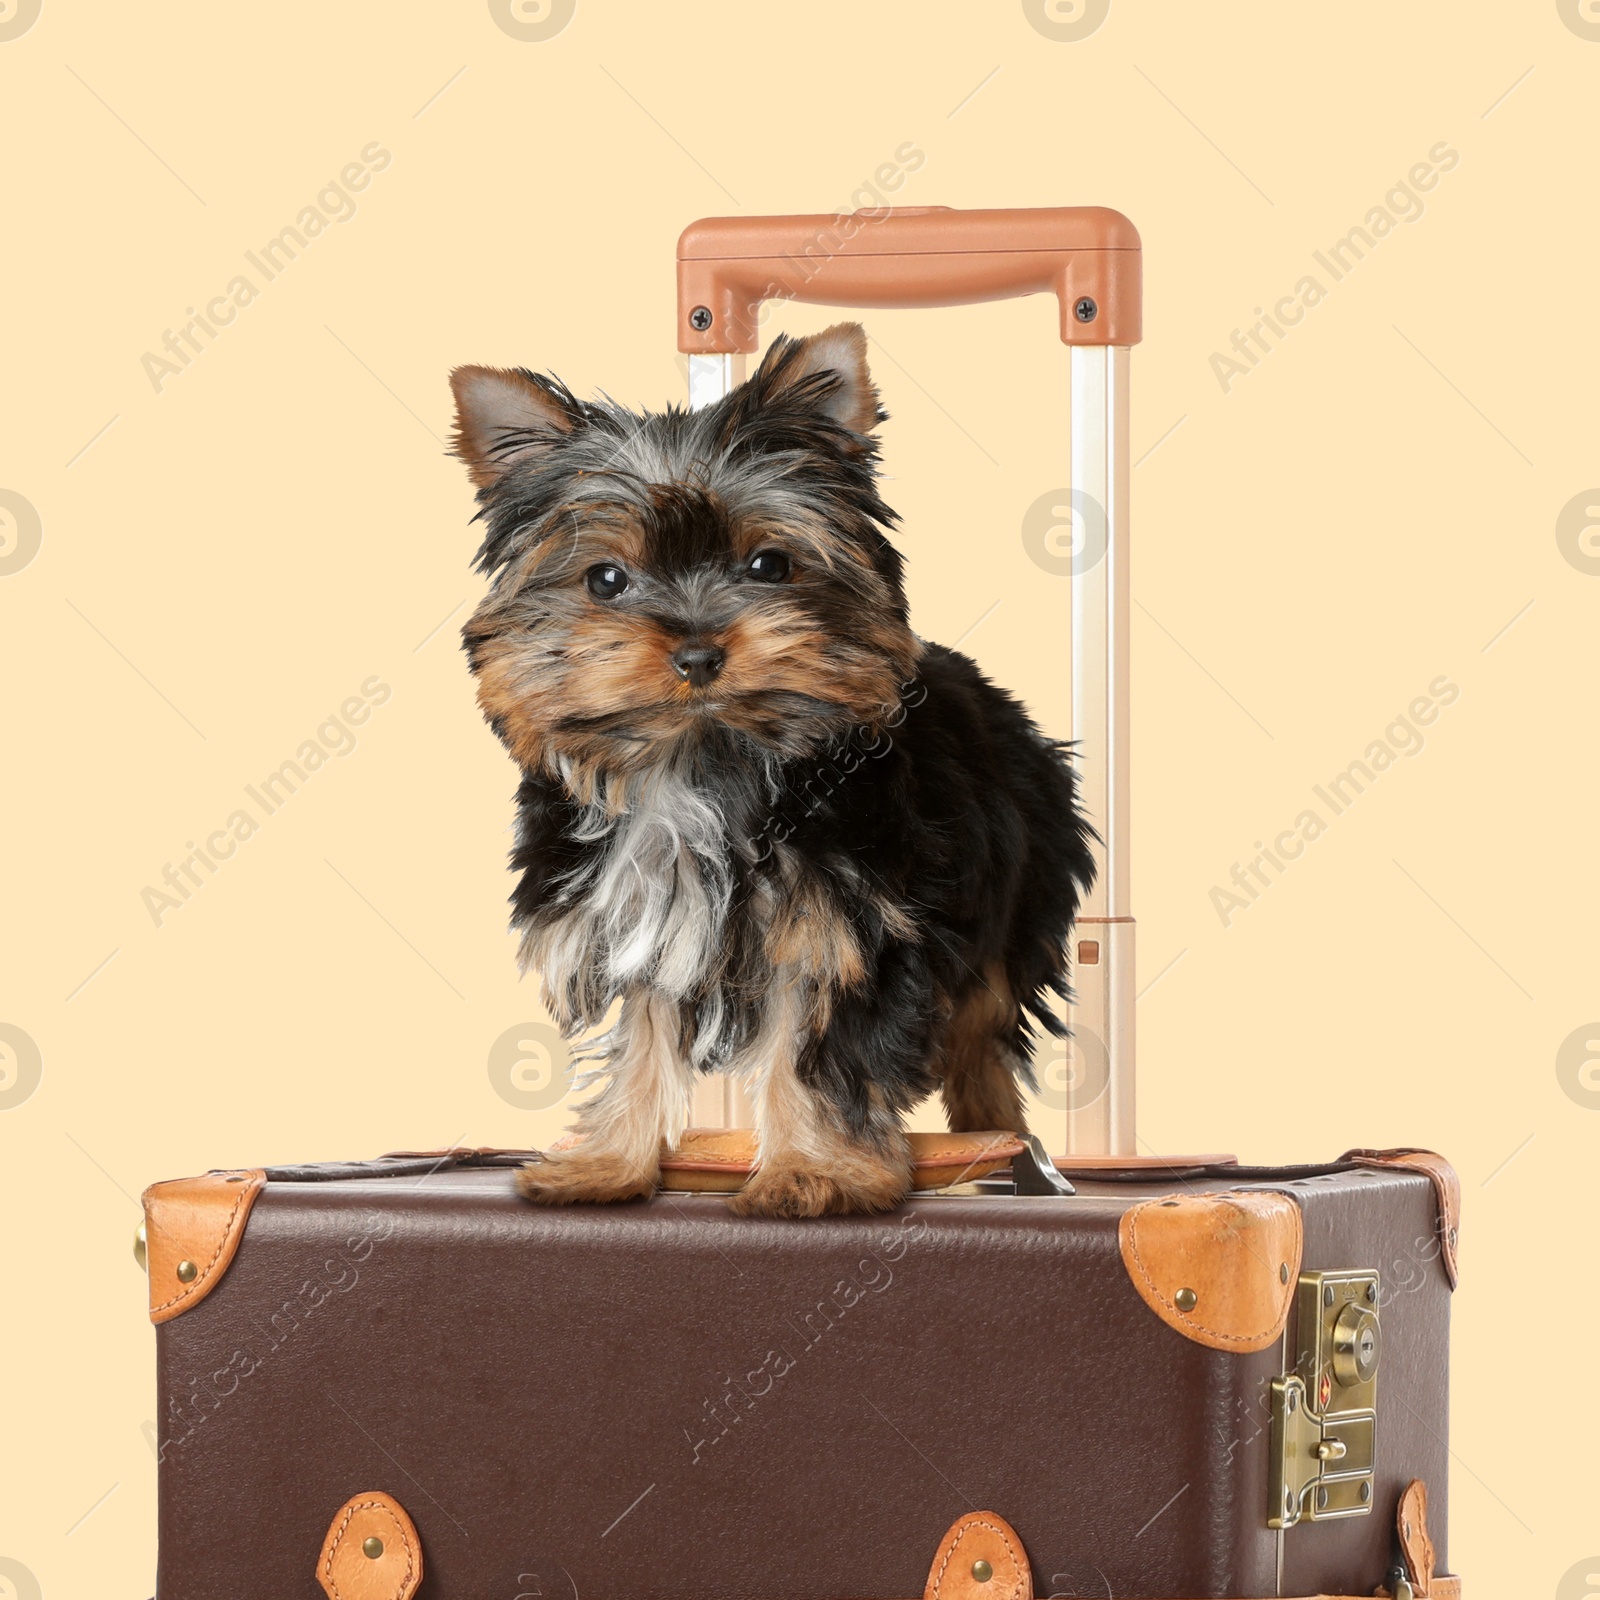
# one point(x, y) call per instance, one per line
point(1101, 1376)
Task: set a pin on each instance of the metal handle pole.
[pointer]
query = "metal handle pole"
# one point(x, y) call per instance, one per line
point(1100, 1110)
point(1100, 1114)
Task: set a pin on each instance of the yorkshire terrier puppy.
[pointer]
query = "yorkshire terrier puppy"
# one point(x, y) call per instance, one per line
point(797, 843)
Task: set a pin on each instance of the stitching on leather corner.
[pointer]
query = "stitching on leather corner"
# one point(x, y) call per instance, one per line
point(344, 1527)
point(1187, 1318)
point(967, 1525)
point(247, 1189)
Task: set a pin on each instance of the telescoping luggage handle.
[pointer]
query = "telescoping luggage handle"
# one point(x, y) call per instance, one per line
point(1089, 258)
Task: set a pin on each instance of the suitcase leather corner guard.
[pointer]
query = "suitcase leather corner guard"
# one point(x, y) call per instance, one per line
point(192, 1228)
point(1218, 1268)
point(668, 1402)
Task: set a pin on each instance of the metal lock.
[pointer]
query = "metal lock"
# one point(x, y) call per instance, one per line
point(1324, 1413)
point(1357, 1346)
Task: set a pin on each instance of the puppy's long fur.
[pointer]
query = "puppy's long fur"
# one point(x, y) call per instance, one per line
point(797, 843)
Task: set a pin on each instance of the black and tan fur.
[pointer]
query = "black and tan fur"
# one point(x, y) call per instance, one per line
point(843, 866)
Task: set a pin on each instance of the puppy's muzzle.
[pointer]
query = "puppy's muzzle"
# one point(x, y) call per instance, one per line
point(697, 664)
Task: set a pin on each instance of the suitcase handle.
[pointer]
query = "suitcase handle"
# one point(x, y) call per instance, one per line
point(1089, 257)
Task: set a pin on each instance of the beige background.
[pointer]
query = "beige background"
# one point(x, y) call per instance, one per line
point(223, 563)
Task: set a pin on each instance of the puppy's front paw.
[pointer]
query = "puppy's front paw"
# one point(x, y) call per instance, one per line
point(785, 1191)
point(570, 1177)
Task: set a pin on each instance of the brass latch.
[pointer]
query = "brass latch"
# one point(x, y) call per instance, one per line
point(1324, 1413)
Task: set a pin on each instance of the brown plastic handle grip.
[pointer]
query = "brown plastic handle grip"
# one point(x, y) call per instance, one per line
point(1087, 256)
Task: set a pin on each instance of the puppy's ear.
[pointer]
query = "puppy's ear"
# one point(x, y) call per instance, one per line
point(826, 372)
point(506, 414)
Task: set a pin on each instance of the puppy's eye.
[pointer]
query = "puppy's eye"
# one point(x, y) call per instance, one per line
point(768, 566)
point(605, 582)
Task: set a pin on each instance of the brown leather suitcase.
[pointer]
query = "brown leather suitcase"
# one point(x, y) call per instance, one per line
point(396, 1378)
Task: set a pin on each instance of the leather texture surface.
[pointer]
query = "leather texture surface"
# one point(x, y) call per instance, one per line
point(192, 1230)
point(392, 1571)
point(980, 1537)
point(663, 1401)
point(1220, 1269)
point(1446, 1187)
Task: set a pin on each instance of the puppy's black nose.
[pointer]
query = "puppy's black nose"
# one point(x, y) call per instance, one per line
point(697, 663)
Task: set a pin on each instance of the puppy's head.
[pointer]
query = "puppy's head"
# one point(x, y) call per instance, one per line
point(665, 580)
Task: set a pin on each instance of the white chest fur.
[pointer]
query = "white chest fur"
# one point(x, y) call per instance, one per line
point(649, 909)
